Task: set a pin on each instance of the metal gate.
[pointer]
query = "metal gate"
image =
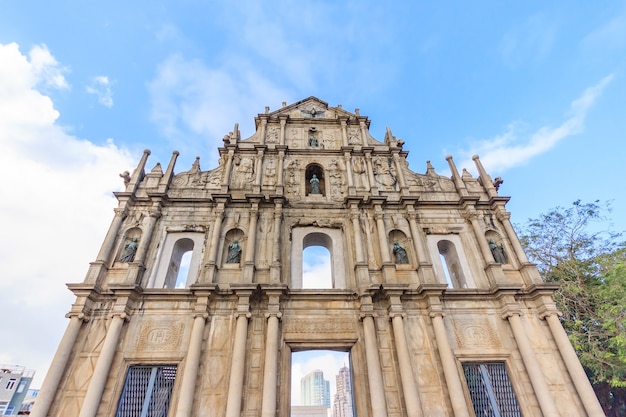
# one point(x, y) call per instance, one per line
point(147, 391)
point(490, 390)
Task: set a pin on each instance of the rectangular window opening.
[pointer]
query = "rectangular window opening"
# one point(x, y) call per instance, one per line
point(491, 390)
point(321, 384)
point(147, 391)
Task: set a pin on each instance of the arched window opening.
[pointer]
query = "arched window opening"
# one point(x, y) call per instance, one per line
point(317, 185)
point(452, 264)
point(183, 272)
point(174, 278)
point(316, 268)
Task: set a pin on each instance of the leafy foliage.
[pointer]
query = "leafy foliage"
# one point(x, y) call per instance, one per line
point(572, 247)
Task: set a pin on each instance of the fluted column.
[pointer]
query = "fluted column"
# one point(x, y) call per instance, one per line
point(344, 132)
point(382, 237)
point(409, 387)
point(238, 363)
point(504, 218)
point(251, 244)
point(425, 265)
point(537, 379)
point(448, 361)
point(103, 366)
point(215, 239)
point(399, 172)
point(283, 122)
point(374, 372)
point(275, 266)
point(192, 363)
point(270, 374)
point(57, 367)
point(472, 216)
point(575, 369)
point(109, 240)
point(155, 214)
point(370, 174)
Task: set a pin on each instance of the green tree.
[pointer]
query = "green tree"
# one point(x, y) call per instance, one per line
point(572, 247)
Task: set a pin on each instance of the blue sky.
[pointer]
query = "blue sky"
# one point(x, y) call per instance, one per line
point(535, 88)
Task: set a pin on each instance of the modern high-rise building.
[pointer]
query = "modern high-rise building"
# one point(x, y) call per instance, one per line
point(342, 404)
point(431, 293)
point(314, 389)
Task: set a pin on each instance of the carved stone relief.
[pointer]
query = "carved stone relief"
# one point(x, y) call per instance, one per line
point(160, 336)
point(471, 332)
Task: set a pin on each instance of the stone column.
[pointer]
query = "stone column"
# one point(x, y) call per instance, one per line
point(374, 372)
point(363, 132)
point(215, 239)
point(103, 366)
point(382, 236)
point(448, 361)
point(146, 237)
point(472, 216)
point(344, 132)
point(227, 169)
point(270, 373)
point(425, 265)
point(263, 129)
point(504, 218)
point(575, 369)
point(370, 174)
point(398, 164)
point(283, 122)
point(347, 160)
point(109, 240)
point(275, 266)
point(259, 169)
point(248, 265)
point(57, 367)
point(537, 379)
point(409, 387)
point(192, 361)
point(362, 275)
point(238, 363)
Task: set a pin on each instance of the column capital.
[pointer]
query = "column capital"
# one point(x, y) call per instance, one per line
point(276, 314)
point(80, 316)
point(545, 313)
point(121, 315)
point(202, 315)
point(394, 314)
point(503, 215)
point(120, 211)
point(247, 315)
point(365, 314)
point(508, 313)
point(434, 314)
point(154, 212)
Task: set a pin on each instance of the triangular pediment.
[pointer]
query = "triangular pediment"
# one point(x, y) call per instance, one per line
point(311, 107)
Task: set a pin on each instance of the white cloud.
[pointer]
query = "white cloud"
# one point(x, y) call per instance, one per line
point(608, 37)
point(101, 87)
point(316, 269)
point(56, 207)
point(191, 100)
point(515, 147)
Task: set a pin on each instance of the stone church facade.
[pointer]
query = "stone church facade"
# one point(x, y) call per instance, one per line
point(432, 295)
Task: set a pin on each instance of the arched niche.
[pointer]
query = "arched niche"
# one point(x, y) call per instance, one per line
point(129, 236)
point(229, 239)
point(176, 244)
point(318, 171)
point(331, 239)
point(496, 244)
point(399, 237)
